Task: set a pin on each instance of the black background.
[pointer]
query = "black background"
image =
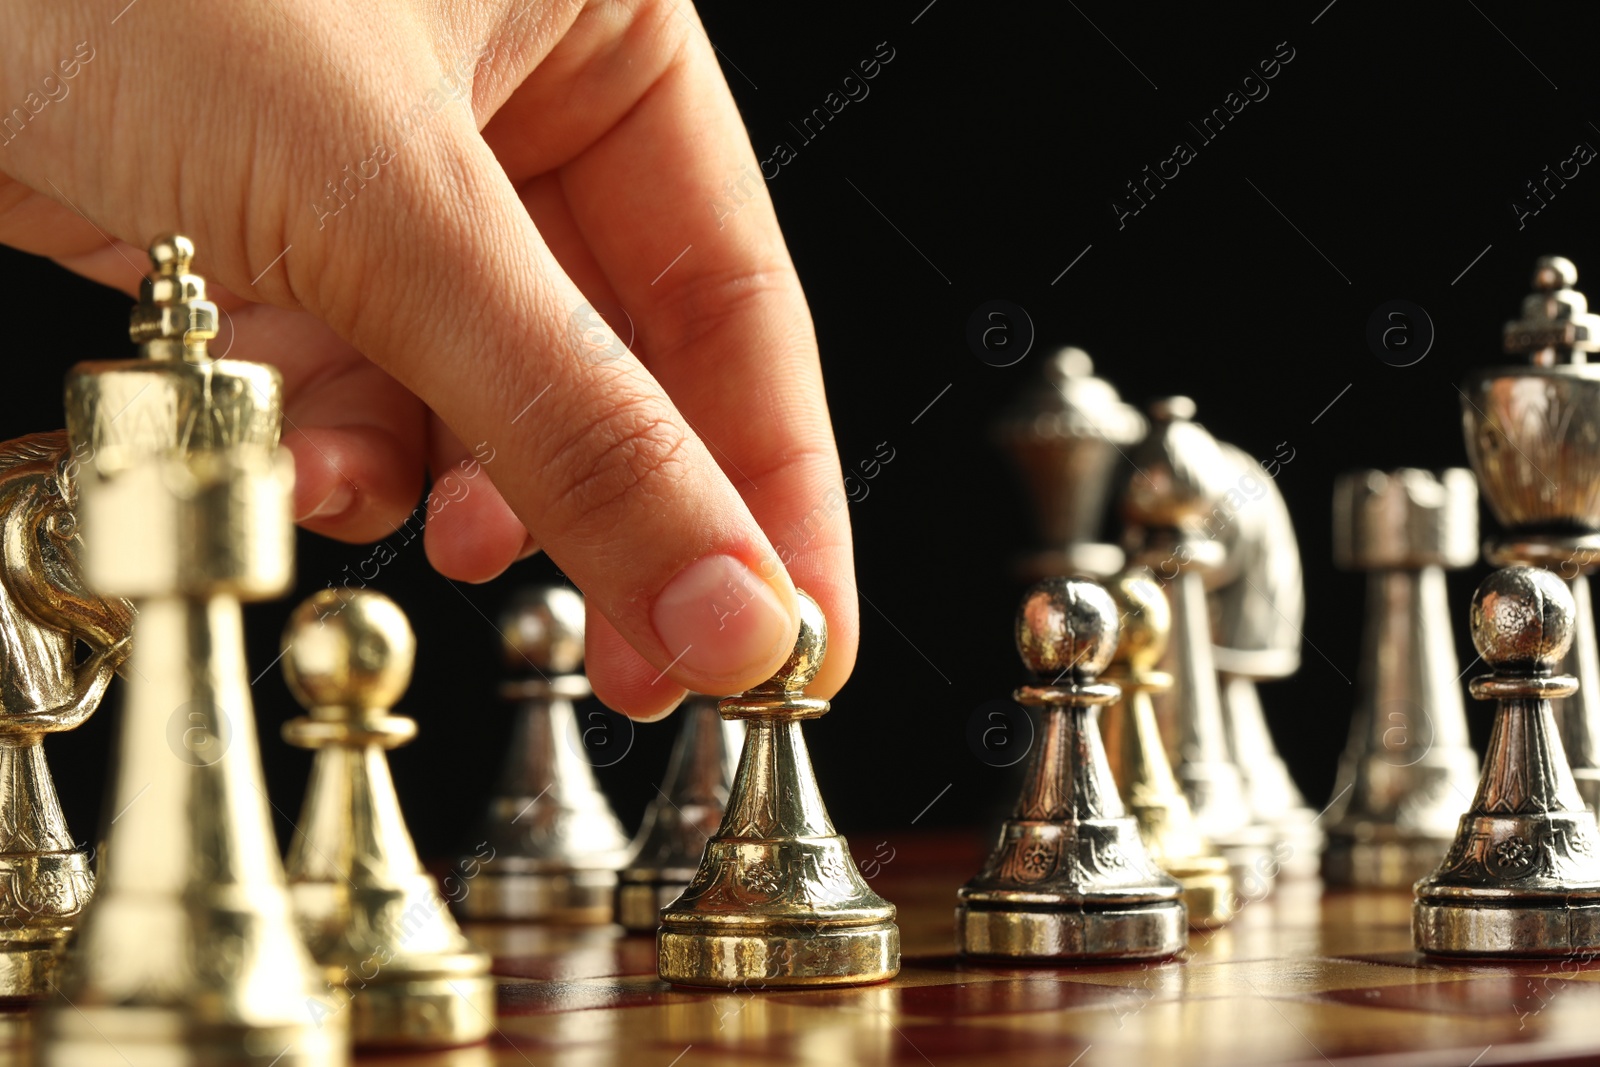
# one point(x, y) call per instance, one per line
point(1382, 166)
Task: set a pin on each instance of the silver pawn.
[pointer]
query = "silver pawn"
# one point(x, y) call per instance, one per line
point(553, 842)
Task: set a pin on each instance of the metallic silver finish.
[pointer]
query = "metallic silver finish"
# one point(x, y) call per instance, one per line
point(1408, 764)
point(372, 916)
point(777, 900)
point(1522, 877)
point(190, 953)
point(1065, 434)
point(1258, 611)
point(1070, 877)
point(46, 608)
point(556, 844)
point(685, 812)
point(1533, 435)
point(1176, 508)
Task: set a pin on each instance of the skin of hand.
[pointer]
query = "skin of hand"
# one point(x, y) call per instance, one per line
point(479, 239)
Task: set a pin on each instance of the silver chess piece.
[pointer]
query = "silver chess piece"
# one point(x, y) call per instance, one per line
point(190, 953)
point(1175, 506)
point(1533, 435)
point(1522, 877)
point(1408, 765)
point(1070, 877)
point(1258, 611)
point(682, 816)
point(556, 844)
point(1065, 434)
point(371, 915)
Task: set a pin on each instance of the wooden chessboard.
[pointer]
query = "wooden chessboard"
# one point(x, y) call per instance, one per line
point(1305, 977)
point(1302, 978)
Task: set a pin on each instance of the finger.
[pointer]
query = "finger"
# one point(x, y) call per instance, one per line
point(472, 535)
point(629, 684)
point(722, 320)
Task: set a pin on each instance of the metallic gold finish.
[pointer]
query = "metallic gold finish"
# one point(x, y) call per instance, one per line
point(777, 900)
point(1531, 433)
point(1176, 507)
point(1259, 610)
point(1408, 763)
point(45, 609)
point(686, 811)
point(556, 844)
point(1070, 877)
point(1064, 435)
point(1138, 759)
point(1522, 877)
point(189, 954)
point(373, 917)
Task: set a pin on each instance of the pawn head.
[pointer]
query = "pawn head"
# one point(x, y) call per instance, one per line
point(810, 648)
point(543, 626)
point(1522, 620)
point(1551, 273)
point(348, 650)
point(1144, 619)
point(1067, 625)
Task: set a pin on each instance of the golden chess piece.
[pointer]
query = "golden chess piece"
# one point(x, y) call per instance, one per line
point(682, 816)
point(1070, 877)
point(373, 917)
point(45, 609)
point(190, 953)
point(1138, 759)
point(1522, 877)
point(777, 900)
point(555, 844)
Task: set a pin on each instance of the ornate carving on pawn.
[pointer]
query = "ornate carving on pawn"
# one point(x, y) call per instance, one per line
point(1065, 434)
point(1522, 877)
point(1069, 877)
point(190, 953)
point(372, 916)
point(557, 845)
point(1138, 758)
point(680, 819)
point(1408, 763)
point(45, 609)
point(1259, 608)
point(1176, 508)
point(777, 900)
point(1533, 435)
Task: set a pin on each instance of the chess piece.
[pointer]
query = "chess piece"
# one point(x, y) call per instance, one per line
point(45, 609)
point(777, 901)
point(1138, 759)
point(190, 952)
point(556, 845)
point(1065, 434)
point(1522, 877)
point(1069, 877)
point(1408, 765)
point(1258, 610)
point(1533, 435)
point(373, 917)
point(682, 816)
point(1176, 507)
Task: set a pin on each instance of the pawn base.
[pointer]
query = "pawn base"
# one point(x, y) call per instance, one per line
point(1301, 843)
point(1395, 863)
point(1148, 931)
point(640, 900)
point(564, 896)
point(777, 956)
point(1501, 928)
point(423, 1013)
point(1208, 894)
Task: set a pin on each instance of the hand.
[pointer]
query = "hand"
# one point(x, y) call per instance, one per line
point(414, 208)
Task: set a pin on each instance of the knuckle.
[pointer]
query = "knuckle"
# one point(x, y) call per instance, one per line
point(629, 453)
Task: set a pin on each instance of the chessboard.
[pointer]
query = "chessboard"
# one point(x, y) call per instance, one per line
point(1303, 977)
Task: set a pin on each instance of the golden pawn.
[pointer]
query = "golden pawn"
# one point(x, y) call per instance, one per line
point(372, 916)
point(777, 900)
point(1139, 759)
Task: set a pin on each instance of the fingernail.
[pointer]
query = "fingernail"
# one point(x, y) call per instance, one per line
point(720, 623)
point(338, 501)
point(663, 713)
